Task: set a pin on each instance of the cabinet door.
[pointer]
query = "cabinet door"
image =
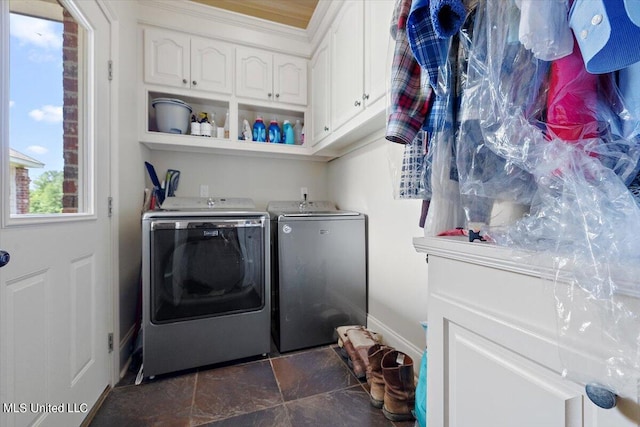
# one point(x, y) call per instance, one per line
point(166, 57)
point(494, 359)
point(290, 79)
point(320, 91)
point(211, 65)
point(378, 49)
point(347, 44)
point(490, 386)
point(254, 70)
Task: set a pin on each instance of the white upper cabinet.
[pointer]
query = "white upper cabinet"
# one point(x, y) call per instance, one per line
point(321, 91)
point(270, 76)
point(183, 61)
point(347, 63)
point(378, 49)
point(167, 57)
point(359, 57)
point(211, 65)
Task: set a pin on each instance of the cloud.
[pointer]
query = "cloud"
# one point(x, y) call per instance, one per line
point(37, 149)
point(37, 32)
point(40, 57)
point(48, 113)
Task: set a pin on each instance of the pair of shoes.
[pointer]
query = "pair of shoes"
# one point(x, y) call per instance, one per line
point(391, 382)
point(355, 341)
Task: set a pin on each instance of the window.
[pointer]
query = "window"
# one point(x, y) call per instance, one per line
point(45, 109)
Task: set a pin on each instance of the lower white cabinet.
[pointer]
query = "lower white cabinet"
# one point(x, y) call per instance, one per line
point(494, 358)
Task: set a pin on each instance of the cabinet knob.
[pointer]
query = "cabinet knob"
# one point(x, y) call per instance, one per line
point(194, 83)
point(601, 396)
point(357, 103)
point(277, 95)
point(326, 129)
point(365, 96)
point(184, 81)
point(269, 94)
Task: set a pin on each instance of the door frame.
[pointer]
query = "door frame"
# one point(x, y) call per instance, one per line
point(113, 174)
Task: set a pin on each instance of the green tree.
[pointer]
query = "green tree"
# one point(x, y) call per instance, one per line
point(46, 197)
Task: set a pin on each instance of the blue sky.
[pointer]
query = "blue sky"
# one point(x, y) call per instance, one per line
point(36, 91)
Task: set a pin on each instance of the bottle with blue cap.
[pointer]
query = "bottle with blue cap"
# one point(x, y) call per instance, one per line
point(275, 135)
point(287, 132)
point(259, 130)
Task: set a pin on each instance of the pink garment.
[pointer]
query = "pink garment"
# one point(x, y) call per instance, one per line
point(572, 99)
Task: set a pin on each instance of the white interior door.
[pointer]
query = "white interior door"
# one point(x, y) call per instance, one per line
point(55, 293)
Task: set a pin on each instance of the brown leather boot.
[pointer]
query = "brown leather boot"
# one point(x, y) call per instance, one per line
point(374, 374)
point(399, 386)
point(356, 341)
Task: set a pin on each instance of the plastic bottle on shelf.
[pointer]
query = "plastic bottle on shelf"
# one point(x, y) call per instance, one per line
point(287, 132)
point(195, 126)
point(245, 132)
point(205, 125)
point(297, 130)
point(226, 125)
point(302, 135)
point(259, 130)
point(275, 134)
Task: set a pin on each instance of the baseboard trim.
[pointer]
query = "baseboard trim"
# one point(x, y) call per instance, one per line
point(125, 350)
point(96, 407)
point(395, 340)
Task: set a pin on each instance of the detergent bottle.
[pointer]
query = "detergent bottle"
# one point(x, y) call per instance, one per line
point(259, 130)
point(275, 135)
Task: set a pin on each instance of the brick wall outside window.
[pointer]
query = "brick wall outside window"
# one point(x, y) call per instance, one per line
point(22, 190)
point(70, 114)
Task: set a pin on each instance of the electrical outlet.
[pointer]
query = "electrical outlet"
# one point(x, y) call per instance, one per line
point(304, 193)
point(204, 190)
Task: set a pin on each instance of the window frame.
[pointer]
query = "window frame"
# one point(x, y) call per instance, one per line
point(86, 186)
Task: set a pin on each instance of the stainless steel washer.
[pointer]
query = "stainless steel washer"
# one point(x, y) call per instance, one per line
point(319, 272)
point(205, 282)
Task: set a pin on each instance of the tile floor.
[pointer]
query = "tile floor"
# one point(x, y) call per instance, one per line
point(313, 387)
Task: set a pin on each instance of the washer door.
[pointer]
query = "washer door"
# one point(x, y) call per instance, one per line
point(206, 269)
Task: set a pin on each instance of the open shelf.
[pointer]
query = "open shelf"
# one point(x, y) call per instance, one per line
point(217, 108)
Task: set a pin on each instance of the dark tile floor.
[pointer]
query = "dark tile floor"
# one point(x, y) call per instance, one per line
point(308, 388)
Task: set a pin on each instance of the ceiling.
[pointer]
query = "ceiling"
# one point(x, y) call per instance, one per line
point(296, 13)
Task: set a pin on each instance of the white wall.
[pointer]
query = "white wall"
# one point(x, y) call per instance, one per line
point(361, 181)
point(259, 178)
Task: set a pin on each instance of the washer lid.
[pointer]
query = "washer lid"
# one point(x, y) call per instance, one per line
point(304, 209)
point(207, 203)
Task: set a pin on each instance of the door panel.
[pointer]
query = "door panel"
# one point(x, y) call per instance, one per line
point(347, 63)
point(290, 81)
point(25, 343)
point(254, 71)
point(212, 65)
point(321, 91)
point(55, 298)
point(378, 49)
point(166, 58)
point(475, 362)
